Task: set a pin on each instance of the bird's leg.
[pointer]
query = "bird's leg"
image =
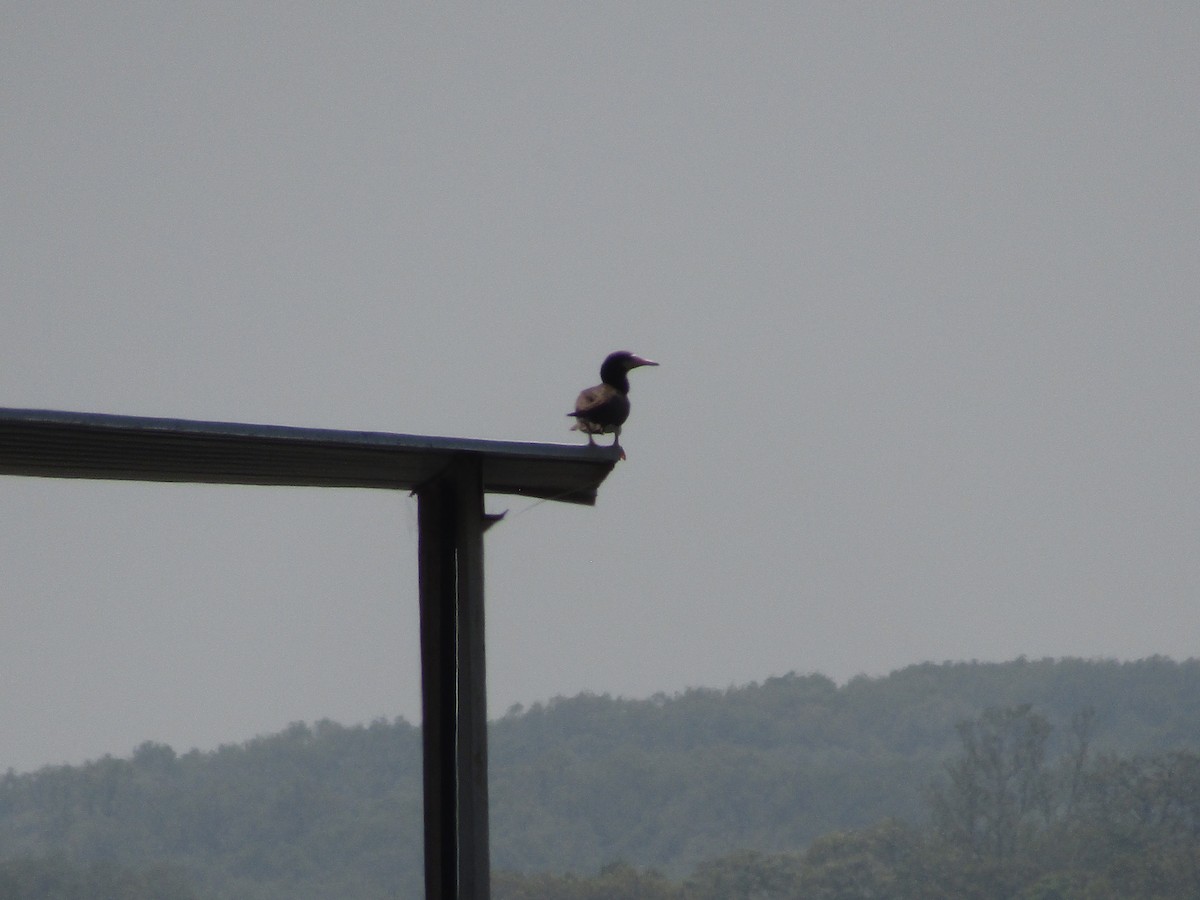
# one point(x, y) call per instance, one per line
point(617, 441)
point(591, 440)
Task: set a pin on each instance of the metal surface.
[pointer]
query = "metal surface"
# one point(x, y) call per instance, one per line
point(453, 684)
point(91, 445)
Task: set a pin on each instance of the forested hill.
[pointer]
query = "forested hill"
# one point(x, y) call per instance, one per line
point(576, 783)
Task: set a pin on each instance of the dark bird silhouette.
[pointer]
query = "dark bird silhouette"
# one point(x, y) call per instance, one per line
point(604, 408)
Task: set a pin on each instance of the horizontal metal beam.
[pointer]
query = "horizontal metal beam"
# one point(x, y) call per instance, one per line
point(56, 444)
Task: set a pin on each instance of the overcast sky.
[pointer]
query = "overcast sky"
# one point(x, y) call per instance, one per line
point(922, 279)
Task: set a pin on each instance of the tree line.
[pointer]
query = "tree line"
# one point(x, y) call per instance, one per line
point(1006, 822)
point(792, 778)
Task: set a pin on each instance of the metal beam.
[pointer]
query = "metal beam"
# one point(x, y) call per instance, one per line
point(57, 444)
point(453, 683)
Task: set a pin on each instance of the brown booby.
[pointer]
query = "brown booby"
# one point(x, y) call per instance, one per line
point(604, 408)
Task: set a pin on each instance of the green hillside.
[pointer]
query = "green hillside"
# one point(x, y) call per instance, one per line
point(677, 785)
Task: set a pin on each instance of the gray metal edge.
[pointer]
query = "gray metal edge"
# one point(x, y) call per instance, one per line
point(110, 422)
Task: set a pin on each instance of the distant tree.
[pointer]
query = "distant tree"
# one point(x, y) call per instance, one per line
point(1137, 826)
point(54, 878)
point(154, 757)
point(616, 881)
point(745, 875)
point(892, 859)
point(1000, 791)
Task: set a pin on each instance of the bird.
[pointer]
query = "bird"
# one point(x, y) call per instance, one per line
point(604, 408)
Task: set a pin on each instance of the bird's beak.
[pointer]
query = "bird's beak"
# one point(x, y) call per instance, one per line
point(635, 361)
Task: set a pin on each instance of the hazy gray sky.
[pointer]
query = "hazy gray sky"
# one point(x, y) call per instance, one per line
point(922, 279)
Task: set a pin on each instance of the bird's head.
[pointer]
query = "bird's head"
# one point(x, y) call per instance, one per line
point(623, 361)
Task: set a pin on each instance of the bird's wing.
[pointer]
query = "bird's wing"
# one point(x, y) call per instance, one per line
point(593, 398)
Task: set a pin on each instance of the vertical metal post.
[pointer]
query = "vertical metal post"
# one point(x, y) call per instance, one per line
point(453, 684)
